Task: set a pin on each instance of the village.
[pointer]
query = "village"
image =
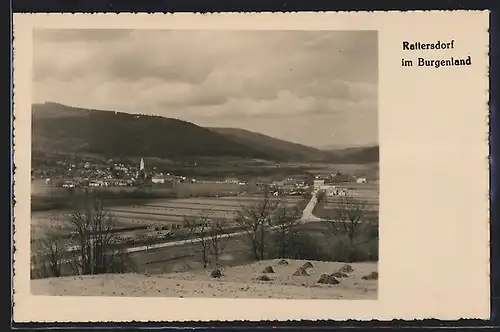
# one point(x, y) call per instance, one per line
point(90, 174)
point(81, 173)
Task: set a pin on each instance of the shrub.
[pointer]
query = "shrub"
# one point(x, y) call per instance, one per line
point(299, 245)
point(341, 251)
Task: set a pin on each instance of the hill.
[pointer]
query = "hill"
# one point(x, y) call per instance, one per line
point(273, 146)
point(59, 128)
point(65, 129)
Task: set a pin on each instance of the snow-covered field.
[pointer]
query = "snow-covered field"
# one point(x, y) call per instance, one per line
point(236, 282)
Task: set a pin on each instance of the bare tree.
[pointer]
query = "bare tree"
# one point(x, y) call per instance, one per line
point(198, 228)
point(320, 196)
point(48, 251)
point(286, 219)
point(52, 246)
point(255, 221)
point(218, 239)
point(349, 219)
point(95, 247)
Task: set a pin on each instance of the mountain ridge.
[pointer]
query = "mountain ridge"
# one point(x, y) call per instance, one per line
point(60, 128)
point(260, 141)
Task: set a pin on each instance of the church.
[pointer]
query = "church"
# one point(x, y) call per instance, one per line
point(142, 174)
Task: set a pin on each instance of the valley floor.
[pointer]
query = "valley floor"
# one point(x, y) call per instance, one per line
point(236, 282)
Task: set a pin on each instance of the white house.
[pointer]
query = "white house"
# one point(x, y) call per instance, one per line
point(361, 180)
point(319, 182)
point(158, 180)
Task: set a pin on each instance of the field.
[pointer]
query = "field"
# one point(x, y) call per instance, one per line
point(174, 211)
point(48, 196)
point(238, 281)
point(159, 212)
point(363, 191)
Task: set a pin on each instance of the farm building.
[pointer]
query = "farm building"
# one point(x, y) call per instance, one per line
point(319, 182)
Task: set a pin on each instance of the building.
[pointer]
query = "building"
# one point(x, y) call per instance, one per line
point(319, 182)
point(141, 174)
point(158, 180)
point(361, 180)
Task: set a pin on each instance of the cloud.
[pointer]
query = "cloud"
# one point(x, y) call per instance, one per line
point(199, 75)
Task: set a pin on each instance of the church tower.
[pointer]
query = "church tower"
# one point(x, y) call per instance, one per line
point(142, 170)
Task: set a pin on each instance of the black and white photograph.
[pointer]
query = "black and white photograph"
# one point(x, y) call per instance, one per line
point(205, 163)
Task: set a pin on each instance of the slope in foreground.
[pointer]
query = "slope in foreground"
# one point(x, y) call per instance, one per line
point(236, 282)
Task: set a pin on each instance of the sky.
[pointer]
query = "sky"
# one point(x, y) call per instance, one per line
point(317, 88)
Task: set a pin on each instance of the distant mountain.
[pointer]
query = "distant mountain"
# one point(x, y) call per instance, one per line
point(273, 146)
point(358, 155)
point(60, 128)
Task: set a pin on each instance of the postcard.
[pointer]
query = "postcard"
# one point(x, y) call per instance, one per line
point(251, 166)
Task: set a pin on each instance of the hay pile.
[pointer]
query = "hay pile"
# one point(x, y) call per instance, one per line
point(216, 273)
point(346, 269)
point(282, 262)
point(301, 272)
point(263, 278)
point(307, 265)
point(268, 269)
point(328, 279)
point(339, 275)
